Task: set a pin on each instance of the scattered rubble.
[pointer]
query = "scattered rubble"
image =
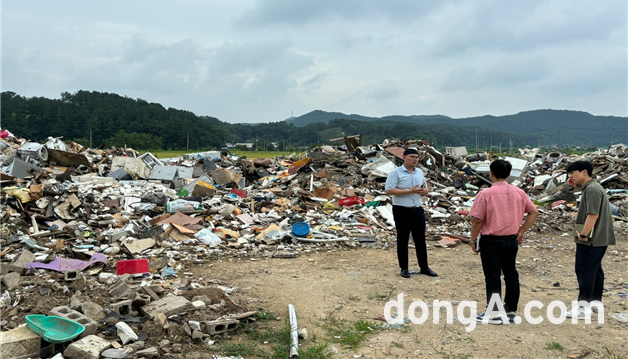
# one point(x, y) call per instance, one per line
point(104, 236)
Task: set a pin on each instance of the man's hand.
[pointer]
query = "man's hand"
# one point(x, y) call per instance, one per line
point(418, 190)
point(473, 248)
point(520, 237)
point(585, 239)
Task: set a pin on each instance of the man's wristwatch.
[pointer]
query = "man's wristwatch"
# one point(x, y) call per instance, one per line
point(582, 236)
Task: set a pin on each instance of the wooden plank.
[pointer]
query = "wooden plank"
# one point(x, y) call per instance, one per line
point(343, 138)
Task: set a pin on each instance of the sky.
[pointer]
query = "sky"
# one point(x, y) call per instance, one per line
point(264, 61)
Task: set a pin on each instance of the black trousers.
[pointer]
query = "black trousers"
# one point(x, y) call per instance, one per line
point(499, 255)
point(410, 220)
point(589, 272)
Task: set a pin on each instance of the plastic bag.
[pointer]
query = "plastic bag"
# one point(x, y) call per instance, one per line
point(182, 205)
point(206, 236)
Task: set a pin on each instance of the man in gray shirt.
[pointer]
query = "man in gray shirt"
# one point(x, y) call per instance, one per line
point(594, 213)
point(406, 184)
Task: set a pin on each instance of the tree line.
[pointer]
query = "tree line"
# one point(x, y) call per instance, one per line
point(95, 118)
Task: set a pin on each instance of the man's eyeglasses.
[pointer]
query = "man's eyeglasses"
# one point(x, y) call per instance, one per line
point(414, 157)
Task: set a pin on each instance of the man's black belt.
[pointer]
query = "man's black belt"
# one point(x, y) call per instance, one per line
point(496, 238)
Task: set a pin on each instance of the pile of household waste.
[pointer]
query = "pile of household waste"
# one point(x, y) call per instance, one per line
point(100, 241)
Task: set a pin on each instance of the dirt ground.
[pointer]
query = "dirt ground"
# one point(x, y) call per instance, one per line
point(350, 284)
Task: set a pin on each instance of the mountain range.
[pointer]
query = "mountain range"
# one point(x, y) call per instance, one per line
point(537, 127)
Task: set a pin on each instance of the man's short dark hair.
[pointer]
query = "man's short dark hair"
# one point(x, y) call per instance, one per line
point(410, 151)
point(501, 169)
point(580, 166)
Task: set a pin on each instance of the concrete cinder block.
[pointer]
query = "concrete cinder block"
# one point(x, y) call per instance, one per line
point(65, 312)
point(20, 343)
point(167, 305)
point(124, 307)
point(120, 289)
point(89, 347)
point(221, 326)
point(72, 275)
point(139, 299)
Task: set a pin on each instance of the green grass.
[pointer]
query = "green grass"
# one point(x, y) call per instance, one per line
point(240, 349)
point(171, 154)
point(261, 339)
point(266, 316)
point(384, 297)
point(264, 341)
point(349, 334)
point(248, 154)
point(609, 354)
point(261, 154)
point(554, 346)
point(319, 351)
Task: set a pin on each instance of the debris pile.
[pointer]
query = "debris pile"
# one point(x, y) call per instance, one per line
point(106, 237)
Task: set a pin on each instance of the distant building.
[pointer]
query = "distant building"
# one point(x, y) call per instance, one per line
point(244, 144)
point(228, 145)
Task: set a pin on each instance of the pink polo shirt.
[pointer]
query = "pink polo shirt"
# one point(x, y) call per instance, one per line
point(501, 207)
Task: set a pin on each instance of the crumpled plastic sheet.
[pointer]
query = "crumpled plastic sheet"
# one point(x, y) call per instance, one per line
point(67, 265)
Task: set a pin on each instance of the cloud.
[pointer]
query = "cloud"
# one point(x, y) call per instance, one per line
point(491, 25)
point(232, 81)
point(315, 82)
point(255, 61)
point(299, 12)
point(386, 92)
point(506, 73)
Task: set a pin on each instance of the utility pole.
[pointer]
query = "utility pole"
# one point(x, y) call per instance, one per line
point(476, 140)
point(90, 138)
point(187, 144)
point(543, 140)
point(510, 145)
point(559, 139)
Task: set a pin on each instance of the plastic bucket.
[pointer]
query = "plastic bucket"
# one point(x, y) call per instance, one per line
point(301, 229)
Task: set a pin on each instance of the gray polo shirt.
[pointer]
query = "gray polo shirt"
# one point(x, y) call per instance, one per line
point(595, 201)
point(401, 178)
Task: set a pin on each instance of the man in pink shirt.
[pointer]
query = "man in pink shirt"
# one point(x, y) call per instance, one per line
point(497, 214)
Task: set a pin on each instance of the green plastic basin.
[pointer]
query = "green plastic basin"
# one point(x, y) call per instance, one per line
point(54, 329)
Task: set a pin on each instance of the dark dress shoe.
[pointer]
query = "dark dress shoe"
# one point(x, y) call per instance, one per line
point(405, 273)
point(429, 272)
